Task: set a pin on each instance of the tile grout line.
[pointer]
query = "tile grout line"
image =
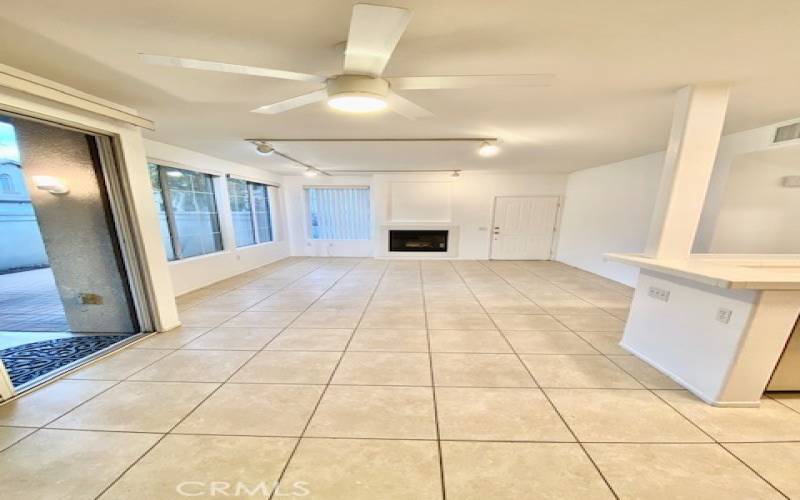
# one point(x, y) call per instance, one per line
point(694, 424)
point(330, 377)
point(64, 377)
point(169, 431)
point(544, 393)
point(203, 334)
point(187, 415)
point(238, 288)
point(697, 426)
point(568, 290)
point(640, 389)
point(715, 441)
point(431, 440)
point(780, 402)
point(220, 325)
point(433, 381)
point(421, 272)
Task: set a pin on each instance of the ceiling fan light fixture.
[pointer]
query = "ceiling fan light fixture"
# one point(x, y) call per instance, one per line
point(357, 93)
point(264, 149)
point(357, 103)
point(488, 149)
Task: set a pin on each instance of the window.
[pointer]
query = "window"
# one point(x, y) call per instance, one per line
point(7, 184)
point(187, 211)
point(250, 210)
point(339, 213)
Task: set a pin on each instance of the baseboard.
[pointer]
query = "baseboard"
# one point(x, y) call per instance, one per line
point(689, 387)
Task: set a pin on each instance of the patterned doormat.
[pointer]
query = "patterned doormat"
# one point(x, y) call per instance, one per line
point(28, 361)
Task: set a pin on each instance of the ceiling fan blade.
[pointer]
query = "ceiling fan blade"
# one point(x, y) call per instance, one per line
point(294, 102)
point(182, 62)
point(470, 81)
point(403, 106)
point(374, 33)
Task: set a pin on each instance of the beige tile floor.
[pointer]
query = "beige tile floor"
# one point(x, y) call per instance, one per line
point(366, 379)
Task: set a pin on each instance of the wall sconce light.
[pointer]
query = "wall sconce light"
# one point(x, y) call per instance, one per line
point(52, 185)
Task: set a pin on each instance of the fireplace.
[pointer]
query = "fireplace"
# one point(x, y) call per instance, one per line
point(412, 240)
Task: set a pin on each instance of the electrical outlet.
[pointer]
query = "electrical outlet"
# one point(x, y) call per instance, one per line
point(724, 315)
point(658, 293)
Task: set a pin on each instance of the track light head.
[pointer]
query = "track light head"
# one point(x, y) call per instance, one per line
point(488, 149)
point(264, 149)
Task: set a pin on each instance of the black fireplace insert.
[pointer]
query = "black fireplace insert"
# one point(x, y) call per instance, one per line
point(412, 240)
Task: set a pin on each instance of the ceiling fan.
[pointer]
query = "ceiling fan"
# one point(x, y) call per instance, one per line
point(361, 88)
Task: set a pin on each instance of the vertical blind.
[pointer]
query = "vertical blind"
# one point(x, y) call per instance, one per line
point(340, 213)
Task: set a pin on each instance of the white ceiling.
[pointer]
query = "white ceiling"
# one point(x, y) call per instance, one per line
point(617, 63)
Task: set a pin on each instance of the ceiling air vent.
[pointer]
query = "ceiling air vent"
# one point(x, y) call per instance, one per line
point(787, 133)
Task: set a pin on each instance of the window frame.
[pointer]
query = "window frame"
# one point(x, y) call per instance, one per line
point(251, 199)
point(7, 184)
point(307, 208)
point(166, 196)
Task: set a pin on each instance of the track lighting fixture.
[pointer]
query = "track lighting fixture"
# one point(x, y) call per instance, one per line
point(264, 149)
point(488, 149)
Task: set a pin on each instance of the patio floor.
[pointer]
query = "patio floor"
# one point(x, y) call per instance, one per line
point(29, 302)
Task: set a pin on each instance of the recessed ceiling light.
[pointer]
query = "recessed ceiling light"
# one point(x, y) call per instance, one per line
point(264, 149)
point(488, 149)
point(310, 172)
point(354, 103)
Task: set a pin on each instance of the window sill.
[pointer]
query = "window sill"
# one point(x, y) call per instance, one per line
point(196, 257)
point(221, 252)
point(256, 245)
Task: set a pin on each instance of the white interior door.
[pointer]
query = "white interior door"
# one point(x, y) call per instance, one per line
point(523, 227)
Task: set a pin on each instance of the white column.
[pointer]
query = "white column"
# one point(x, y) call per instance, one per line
point(696, 128)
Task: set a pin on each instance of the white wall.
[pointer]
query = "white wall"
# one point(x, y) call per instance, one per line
point(471, 203)
point(758, 214)
point(197, 272)
point(608, 209)
point(730, 147)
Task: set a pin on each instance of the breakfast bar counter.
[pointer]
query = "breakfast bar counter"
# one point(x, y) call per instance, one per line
point(719, 325)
